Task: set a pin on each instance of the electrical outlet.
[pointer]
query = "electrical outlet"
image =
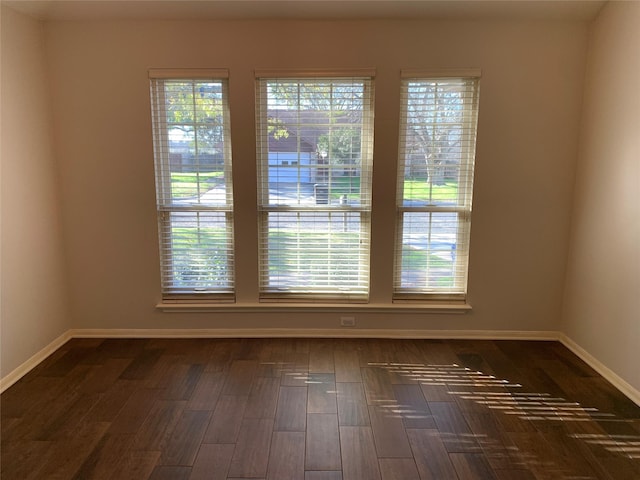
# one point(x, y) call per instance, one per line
point(348, 321)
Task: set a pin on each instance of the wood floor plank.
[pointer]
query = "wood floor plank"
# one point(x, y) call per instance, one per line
point(104, 460)
point(498, 448)
point(514, 474)
point(184, 441)
point(297, 371)
point(377, 386)
point(113, 400)
point(221, 354)
point(212, 462)
point(398, 469)
point(135, 465)
point(448, 417)
point(67, 420)
point(142, 365)
point(26, 396)
point(198, 350)
point(536, 379)
point(69, 453)
point(389, 432)
point(322, 393)
point(377, 351)
point(134, 412)
point(102, 377)
point(622, 468)
point(435, 391)
point(400, 374)
point(65, 363)
point(122, 347)
point(573, 454)
point(515, 423)
point(413, 407)
point(321, 357)
point(286, 456)
point(469, 354)
point(432, 459)
point(359, 460)
point(36, 423)
point(456, 434)
point(352, 405)
point(472, 466)
point(163, 472)
point(291, 413)
point(184, 382)
point(23, 458)
point(347, 366)
point(207, 391)
point(429, 352)
point(155, 431)
point(226, 420)
point(323, 475)
point(541, 457)
point(263, 400)
point(323, 442)
point(251, 455)
point(240, 377)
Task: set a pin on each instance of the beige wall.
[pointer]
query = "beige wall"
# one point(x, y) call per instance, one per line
point(34, 297)
point(531, 94)
point(95, 74)
point(602, 300)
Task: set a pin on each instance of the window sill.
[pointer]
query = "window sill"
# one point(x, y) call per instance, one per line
point(280, 307)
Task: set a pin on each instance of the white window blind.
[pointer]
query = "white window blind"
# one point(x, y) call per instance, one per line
point(315, 141)
point(192, 150)
point(435, 183)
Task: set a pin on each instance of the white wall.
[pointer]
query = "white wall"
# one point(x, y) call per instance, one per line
point(34, 296)
point(602, 298)
point(531, 94)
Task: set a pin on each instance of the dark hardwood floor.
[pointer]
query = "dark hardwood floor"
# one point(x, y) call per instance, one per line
point(317, 409)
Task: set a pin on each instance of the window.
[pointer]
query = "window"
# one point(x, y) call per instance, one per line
point(192, 153)
point(315, 139)
point(435, 181)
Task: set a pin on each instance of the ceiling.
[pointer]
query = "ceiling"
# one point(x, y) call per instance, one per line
point(308, 9)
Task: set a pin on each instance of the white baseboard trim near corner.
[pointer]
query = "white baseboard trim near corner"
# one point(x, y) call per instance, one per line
point(34, 361)
point(602, 369)
point(316, 333)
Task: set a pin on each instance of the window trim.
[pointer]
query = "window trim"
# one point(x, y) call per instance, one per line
point(262, 78)
point(441, 307)
point(462, 209)
point(164, 196)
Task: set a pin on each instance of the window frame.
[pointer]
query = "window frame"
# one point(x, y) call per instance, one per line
point(266, 292)
point(166, 204)
point(462, 208)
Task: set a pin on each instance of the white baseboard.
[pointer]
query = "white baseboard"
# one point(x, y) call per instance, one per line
point(34, 361)
point(316, 333)
point(601, 368)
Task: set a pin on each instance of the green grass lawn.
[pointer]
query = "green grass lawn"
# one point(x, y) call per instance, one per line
point(199, 259)
point(417, 189)
point(418, 260)
point(344, 185)
point(423, 190)
point(192, 184)
point(188, 184)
